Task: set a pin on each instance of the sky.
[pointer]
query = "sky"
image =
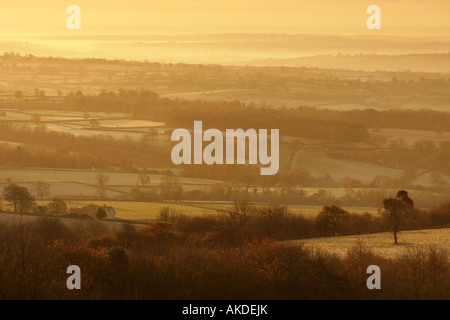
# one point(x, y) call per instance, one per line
point(398, 17)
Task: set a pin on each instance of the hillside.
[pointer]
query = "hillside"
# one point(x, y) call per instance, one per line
point(382, 243)
point(366, 62)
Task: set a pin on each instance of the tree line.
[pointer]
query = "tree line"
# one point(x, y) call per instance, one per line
point(161, 262)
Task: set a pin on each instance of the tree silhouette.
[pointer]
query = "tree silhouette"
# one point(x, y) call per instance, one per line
point(42, 189)
point(57, 206)
point(396, 210)
point(18, 95)
point(330, 216)
point(19, 197)
point(101, 181)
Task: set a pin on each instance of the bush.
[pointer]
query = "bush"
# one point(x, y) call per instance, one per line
point(104, 241)
point(440, 215)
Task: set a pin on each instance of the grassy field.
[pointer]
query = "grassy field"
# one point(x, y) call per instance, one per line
point(382, 243)
point(66, 182)
point(319, 164)
point(89, 177)
point(133, 210)
point(116, 125)
point(307, 210)
point(411, 136)
point(130, 210)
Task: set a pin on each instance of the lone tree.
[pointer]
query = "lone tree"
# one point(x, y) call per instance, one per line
point(242, 214)
point(396, 210)
point(42, 189)
point(143, 179)
point(18, 95)
point(101, 181)
point(19, 197)
point(57, 206)
point(330, 216)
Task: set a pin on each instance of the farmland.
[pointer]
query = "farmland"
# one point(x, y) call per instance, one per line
point(319, 164)
point(142, 211)
point(149, 211)
point(339, 132)
point(382, 243)
point(229, 158)
point(115, 125)
point(66, 183)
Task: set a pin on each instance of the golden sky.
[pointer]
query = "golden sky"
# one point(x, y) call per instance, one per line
point(399, 17)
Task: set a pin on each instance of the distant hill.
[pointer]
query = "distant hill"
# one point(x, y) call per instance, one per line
point(412, 62)
point(222, 48)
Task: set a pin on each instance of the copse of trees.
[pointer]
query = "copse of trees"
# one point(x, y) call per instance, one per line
point(178, 112)
point(86, 152)
point(42, 189)
point(20, 198)
point(247, 221)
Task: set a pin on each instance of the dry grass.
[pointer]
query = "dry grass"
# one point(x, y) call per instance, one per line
point(382, 243)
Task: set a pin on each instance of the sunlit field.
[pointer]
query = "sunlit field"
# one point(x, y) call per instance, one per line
point(381, 243)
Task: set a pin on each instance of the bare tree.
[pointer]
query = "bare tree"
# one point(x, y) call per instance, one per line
point(57, 206)
point(242, 214)
point(41, 189)
point(274, 212)
point(143, 178)
point(101, 181)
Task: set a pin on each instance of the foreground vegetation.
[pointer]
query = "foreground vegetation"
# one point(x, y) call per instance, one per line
point(163, 262)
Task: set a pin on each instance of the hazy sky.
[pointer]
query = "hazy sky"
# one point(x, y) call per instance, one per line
point(413, 17)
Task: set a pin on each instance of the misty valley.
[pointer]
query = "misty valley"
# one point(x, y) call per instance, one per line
point(160, 180)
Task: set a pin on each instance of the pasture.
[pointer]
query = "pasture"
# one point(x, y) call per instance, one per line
point(411, 136)
point(319, 165)
point(381, 243)
point(139, 211)
point(144, 211)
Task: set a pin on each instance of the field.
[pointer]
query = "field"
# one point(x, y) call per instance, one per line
point(306, 210)
point(382, 243)
point(319, 165)
point(78, 182)
point(88, 98)
point(130, 210)
point(116, 125)
point(411, 136)
point(145, 211)
point(68, 183)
